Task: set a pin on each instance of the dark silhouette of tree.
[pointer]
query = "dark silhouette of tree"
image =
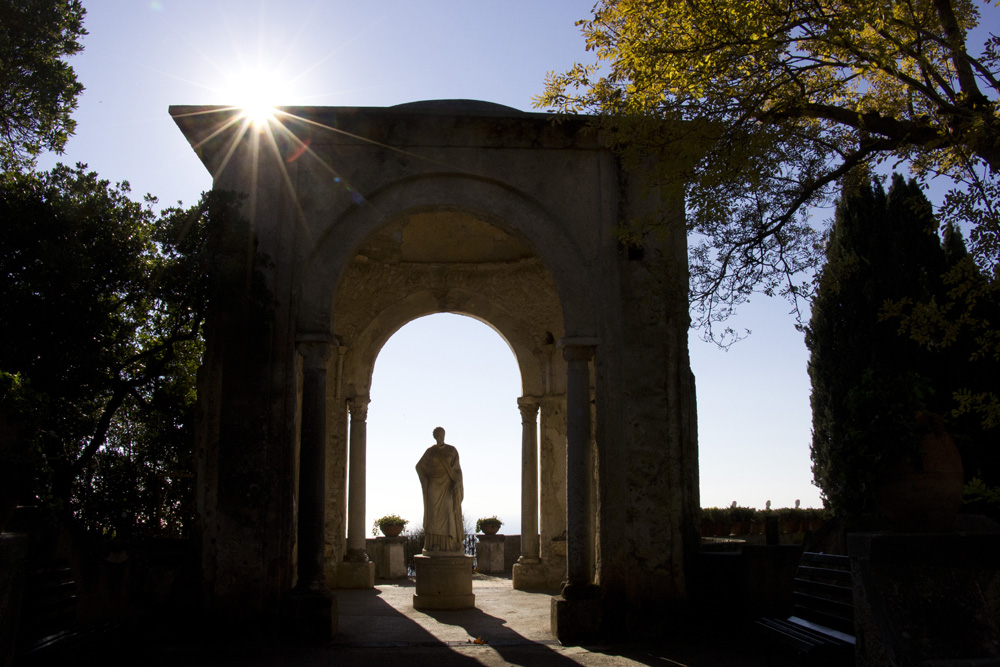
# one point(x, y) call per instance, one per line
point(100, 344)
point(868, 380)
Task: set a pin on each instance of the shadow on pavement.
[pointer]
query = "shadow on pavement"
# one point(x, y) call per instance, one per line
point(495, 633)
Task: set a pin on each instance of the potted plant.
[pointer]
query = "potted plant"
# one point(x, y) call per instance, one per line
point(922, 491)
point(814, 518)
point(488, 525)
point(391, 525)
point(790, 519)
point(714, 521)
point(740, 518)
point(759, 525)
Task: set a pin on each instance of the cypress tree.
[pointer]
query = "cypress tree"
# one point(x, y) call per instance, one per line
point(971, 369)
point(867, 378)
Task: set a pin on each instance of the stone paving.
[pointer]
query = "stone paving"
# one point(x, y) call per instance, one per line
point(379, 627)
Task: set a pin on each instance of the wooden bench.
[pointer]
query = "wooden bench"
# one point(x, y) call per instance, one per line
point(821, 627)
point(48, 626)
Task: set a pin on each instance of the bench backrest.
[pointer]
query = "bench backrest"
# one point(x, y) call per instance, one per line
point(822, 591)
point(49, 604)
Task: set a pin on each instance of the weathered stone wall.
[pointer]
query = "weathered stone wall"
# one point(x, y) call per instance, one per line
point(648, 534)
point(246, 427)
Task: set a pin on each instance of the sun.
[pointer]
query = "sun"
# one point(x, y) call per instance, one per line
point(257, 92)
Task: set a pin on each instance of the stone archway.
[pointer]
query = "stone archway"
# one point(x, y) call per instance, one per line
point(445, 260)
point(372, 216)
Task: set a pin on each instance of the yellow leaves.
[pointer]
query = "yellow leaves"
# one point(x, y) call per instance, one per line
point(858, 54)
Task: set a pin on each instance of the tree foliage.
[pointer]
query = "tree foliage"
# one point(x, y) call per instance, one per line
point(773, 101)
point(868, 381)
point(38, 88)
point(101, 342)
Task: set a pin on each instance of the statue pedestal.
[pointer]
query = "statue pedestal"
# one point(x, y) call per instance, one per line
point(443, 582)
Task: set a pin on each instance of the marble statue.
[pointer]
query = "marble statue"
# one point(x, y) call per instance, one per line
point(441, 479)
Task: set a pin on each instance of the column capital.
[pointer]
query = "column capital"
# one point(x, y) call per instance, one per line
point(358, 405)
point(315, 349)
point(578, 352)
point(316, 337)
point(528, 400)
point(578, 341)
point(528, 405)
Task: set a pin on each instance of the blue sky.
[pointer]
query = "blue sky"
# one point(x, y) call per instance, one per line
point(142, 56)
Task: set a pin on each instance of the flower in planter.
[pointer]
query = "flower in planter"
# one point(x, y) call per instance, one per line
point(384, 523)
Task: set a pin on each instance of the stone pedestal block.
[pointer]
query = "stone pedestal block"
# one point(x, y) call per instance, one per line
point(314, 615)
point(922, 599)
point(443, 582)
point(356, 575)
point(531, 575)
point(490, 554)
point(576, 621)
point(389, 557)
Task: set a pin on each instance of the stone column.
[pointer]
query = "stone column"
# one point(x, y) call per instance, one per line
point(529, 479)
point(312, 466)
point(357, 571)
point(313, 610)
point(356, 500)
point(576, 613)
point(579, 467)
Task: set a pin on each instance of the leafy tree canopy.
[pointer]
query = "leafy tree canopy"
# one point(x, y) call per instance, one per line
point(38, 88)
point(100, 343)
point(781, 99)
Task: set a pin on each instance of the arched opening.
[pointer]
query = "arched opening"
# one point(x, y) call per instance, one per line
point(407, 272)
point(452, 371)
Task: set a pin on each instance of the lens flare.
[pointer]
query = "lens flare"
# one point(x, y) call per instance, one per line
point(256, 92)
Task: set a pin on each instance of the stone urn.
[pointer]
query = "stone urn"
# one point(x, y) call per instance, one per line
point(923, 494)
point(391, 529)
point(490, 527)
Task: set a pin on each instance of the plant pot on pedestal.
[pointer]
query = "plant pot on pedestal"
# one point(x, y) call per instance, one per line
point(391, 525)
point(488, 525)
point(392, 530)
point(922, 493)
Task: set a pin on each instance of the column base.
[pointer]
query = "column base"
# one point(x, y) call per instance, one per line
point(356, 575)
point(576, 621)
point(531, 574)
point(443, 582)
point(313, 615)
